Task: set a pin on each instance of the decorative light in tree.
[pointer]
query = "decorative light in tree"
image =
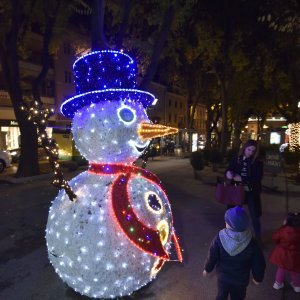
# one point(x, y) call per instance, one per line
point(294, 136)
point(118, 234)
point(39, 117)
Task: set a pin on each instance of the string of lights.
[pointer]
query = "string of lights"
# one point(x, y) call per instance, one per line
point(294, 136)
point(148, 130)
point(145, 238)
point(39, 117)
point(119, 233)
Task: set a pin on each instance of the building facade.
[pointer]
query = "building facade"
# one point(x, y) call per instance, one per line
point(170, 109)
point(29, 68)
point(57, 86)
point(200, 117)
point(274, 131)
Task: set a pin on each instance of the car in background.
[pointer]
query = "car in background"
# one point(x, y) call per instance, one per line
point(5, 160)
point(15, 154)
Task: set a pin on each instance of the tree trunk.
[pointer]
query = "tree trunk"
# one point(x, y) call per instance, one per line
point(258, 126)
point(98, 37)
point(236, 139)
point(224, 129)
point(165, 29)
point(28, 164)
point(188, 107)
point(126, 8)
point(192, 114)
point(208, 127)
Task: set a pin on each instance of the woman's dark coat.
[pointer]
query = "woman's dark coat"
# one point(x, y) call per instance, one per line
point(255, 174)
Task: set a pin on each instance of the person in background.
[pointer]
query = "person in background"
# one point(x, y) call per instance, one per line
point(248, 169)
point(235, 253)
point(286, 254)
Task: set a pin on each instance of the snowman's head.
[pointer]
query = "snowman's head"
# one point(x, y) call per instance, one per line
point(108, 132)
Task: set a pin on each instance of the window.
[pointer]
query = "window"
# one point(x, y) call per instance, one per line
point(180, 105)
point(175, 104)
point(170, 103)
point(68, 77)
point(170, 117)
point(175, 118)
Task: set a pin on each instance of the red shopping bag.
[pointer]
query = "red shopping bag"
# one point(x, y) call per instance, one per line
point(230, 194)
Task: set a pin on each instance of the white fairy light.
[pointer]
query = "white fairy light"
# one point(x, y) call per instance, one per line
point(92, 252)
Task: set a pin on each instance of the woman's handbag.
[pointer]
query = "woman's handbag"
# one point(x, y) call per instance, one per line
point(230, 193)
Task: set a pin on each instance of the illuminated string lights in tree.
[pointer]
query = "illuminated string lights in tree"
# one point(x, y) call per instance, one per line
point(294, 136)
point(119, 232)
point(39, 117)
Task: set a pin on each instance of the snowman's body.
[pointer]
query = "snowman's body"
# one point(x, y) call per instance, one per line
point(87, 247)
point(115, 237)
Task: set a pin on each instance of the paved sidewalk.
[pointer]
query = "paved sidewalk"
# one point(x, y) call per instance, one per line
point(276, 183)
point(25, 272)
point(8, 176)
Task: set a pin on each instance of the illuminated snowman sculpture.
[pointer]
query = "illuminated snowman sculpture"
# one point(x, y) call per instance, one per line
point(117, 234)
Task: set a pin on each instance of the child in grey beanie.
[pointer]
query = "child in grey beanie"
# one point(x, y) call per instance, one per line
point(234, 253)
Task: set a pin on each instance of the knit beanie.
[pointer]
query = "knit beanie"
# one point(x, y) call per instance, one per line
point(237, 218)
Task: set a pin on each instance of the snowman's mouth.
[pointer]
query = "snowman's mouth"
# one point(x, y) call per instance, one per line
point(140, 149)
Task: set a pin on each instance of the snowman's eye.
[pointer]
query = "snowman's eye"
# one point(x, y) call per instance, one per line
point(126, 114)
point(153, 202)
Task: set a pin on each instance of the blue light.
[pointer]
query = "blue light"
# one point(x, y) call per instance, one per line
point(100, 56)
point(70, 106)
point(126, 114)
point(104, 76)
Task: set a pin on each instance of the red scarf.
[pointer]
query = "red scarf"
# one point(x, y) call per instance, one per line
point(143, 237)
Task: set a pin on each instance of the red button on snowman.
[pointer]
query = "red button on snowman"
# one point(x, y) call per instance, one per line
point(117, 234)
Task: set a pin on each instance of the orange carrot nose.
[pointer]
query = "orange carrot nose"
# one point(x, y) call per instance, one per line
point(149, 131)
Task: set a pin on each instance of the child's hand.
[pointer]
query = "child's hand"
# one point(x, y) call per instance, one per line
point(255, 282)
point(204, 273)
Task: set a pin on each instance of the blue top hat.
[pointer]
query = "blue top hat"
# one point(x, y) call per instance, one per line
point(104, 76)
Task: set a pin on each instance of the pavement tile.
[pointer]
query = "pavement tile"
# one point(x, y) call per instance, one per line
point(27, 274)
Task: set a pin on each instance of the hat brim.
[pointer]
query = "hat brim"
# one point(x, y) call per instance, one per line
point(72, 105)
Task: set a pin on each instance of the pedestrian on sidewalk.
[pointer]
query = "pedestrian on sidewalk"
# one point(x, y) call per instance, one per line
point(286, 254)
point(235, 253)
point(248, 169)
